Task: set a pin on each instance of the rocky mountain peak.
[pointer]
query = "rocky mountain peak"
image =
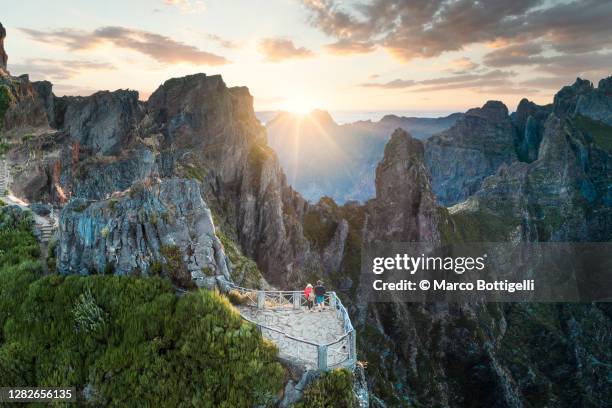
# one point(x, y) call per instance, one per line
point(460, 158)
point(3, 56)
point(605, 85)
point(402, 146)
point(582, 98)
point(404, 208)
point(492, 110)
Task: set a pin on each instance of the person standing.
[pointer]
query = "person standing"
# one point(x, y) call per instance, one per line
point(309, 295)
point(319, 292)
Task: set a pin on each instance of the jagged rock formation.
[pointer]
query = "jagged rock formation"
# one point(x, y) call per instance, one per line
point(529, 121)
point(3, 56)
point(20, 106)
point(404, 209)
point(154, 227)
point(530, 177)
point(582, 99)
point(193, 127)
point(448, 353)
point(459, 158)
point(104, 122)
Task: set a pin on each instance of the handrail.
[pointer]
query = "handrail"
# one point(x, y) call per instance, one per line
point(294, 299)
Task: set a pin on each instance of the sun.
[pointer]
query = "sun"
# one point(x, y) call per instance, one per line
point(299, 105)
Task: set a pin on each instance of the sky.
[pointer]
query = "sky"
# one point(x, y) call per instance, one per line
point(370, 55)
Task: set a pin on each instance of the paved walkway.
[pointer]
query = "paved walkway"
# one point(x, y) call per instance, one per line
point(314, 327)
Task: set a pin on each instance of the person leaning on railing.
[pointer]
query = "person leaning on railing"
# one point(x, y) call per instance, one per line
point(309, 295)
point(319, 291)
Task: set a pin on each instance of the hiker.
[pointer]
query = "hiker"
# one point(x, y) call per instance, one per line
point(309, 295)
point(319, 292)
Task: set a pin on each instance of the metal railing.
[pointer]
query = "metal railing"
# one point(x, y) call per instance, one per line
point(339, 353)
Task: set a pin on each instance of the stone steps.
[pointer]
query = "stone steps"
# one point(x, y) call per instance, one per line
point(46, 232)
point(4, 177)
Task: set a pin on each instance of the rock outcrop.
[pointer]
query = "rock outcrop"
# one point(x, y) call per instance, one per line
point(529, 120)
point(155, 227)
point(20, 107)
point(3, 56)
point(460, 158)
point(193, 127)
point(404, 209)
point(104, 122)
point(582, 98)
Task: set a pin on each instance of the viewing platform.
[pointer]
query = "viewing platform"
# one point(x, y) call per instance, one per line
point(315, 340)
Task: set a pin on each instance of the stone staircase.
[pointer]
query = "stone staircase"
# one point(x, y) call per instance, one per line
point(4, 177)
point(46, 230)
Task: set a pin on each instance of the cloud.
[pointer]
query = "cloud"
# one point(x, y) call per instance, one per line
point(347, 47)
point(515, 54)
point(547, 82)
point(187, 6)
point(491, 78)
point(222, 41)
point(159, 47)
point(428, 28)
point(43, 68)
point(280, 49)
point(462, 65)
point(395, 84)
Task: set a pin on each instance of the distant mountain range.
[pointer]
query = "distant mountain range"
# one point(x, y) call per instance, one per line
point(323, 158)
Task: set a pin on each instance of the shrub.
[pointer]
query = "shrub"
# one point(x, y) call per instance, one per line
point(5, 101)
point(88, 316)
point(51, 256)
point(177, 270)
point(244, 270)
point(156, 268)
point(237, 298)
point(333, 389)
point(132, 341)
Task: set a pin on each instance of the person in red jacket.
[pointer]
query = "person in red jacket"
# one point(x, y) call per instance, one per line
point(309, 295)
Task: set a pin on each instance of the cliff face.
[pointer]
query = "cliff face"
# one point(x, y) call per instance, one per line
point(459, 158)
point(211, 131)
point(404, 209)
point(529, 121)
point(157, 227)
point(581, 98)
point(447, 354)
point(3, 56)
point(194, 127)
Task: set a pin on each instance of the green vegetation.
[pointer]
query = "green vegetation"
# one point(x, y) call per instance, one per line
point(51, 259)
point(476, 226)
point(4, 147)
point(333, 389)
point(193, 171)
point(258, 155)
point(245, 271)
point(599, 131)
point(176, 268)
point(5, 102)
point(319, 229)
point(128, 341)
